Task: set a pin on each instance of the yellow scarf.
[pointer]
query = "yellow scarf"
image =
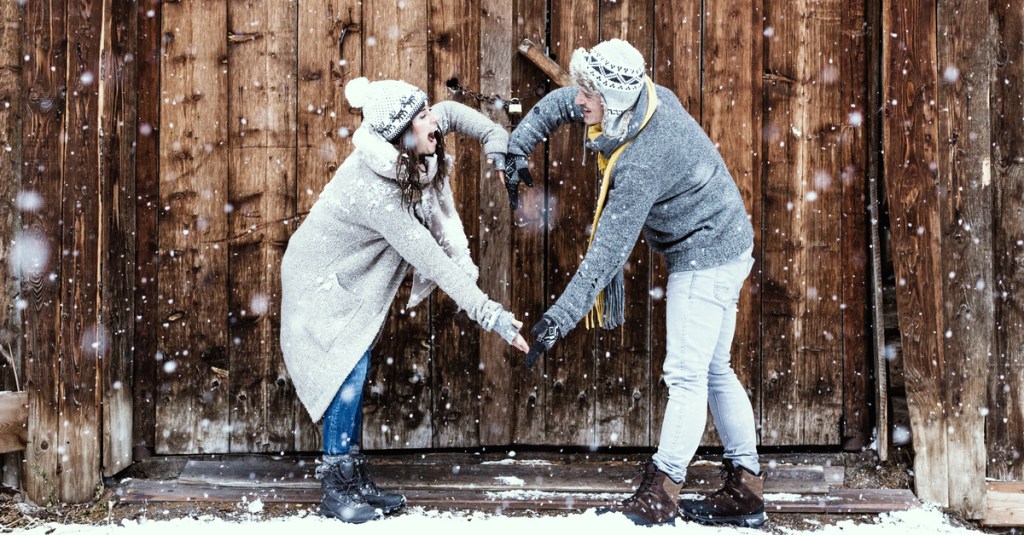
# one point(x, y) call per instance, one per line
point(605, 166)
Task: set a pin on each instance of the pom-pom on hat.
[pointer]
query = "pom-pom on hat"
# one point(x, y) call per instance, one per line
point(388, 105)
point(614, 70)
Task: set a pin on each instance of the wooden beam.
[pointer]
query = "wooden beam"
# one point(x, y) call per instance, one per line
point(1004, 504)
point(534, 53)
point(118, 89)
point(455, 52)
point(910, 137)
point(13, 421)
point(519, 389)
point(11, 332)
point(966, 57)
point(494, 238)
point(1004, 431)
point(193, 410)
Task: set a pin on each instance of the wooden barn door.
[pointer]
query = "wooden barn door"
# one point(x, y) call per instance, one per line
point(252, 124)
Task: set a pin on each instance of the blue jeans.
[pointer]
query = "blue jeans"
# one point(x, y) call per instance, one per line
point(700, 319)
point(344, 417)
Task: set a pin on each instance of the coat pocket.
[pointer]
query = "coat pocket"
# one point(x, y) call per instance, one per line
point(340, 306)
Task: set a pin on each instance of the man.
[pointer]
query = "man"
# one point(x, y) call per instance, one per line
point(661, 174)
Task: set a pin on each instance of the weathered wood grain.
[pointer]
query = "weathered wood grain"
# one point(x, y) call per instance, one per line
point(1004, 429)
point(118, 90)
point(11, 332)
point(330, 44)
point(495, 406)
point(965, 49)
point(854, 46)
point(1004, 503)
point(910, 137)
point(261, 187)
point(731, 113)
point(526, 397)
point(192, 383)
point(454, 51)
point(802, 240)
point(10, 184)
point(572, 187)
point(147, 201)
point(623, 400)
point(13, 421)
point(84, 340)
point(43, 79)
point(397, 398)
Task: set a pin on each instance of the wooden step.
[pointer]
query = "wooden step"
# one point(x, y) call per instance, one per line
point(845, 501)
point(498, 482)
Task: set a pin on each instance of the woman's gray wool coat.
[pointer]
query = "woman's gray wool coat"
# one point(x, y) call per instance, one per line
point(344, 264)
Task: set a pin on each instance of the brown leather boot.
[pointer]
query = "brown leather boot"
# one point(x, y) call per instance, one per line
point(740, 502)
point(654, 502)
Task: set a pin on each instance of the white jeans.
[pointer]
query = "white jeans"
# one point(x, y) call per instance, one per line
point(700, 323)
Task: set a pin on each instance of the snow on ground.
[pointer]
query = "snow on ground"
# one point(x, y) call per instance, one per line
point(418, 521)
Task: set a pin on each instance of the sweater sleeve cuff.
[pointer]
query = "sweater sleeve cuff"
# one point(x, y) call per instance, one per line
point(562, 319)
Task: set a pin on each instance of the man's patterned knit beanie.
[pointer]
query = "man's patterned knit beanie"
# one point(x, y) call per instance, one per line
point(615, 70)
point(389, 106)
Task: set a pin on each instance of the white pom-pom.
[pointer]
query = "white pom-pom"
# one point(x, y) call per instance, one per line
point(357, 91)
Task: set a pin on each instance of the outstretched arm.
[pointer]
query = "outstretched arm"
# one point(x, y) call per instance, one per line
point(455, 117)
point(558, 107)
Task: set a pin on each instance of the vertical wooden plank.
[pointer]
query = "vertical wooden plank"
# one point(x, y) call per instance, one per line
point(147, 191)
point(329, 54)
point(731, 114)
point(910, 139)
point(261, 187)
point(12, 363)
point(965, 47)
point(84, 340)
point(454, 52)
point(515, 392)
point(44, 44)
point(10, 187)
point(1004, 430)
point(803, 258)
point(623, 395)
point(677, 65)
point(397, 401)
point(118, 81)
point(572, 193)
point(192, 404)
point(497, 403)
point(854, 46)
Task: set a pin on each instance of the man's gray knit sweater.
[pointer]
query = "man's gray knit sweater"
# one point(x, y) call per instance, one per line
point(670, 181)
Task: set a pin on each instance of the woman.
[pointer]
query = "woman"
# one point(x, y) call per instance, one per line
point(388, 207)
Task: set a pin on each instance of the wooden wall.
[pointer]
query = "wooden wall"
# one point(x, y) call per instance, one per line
point(167, 150)
point(952, 107)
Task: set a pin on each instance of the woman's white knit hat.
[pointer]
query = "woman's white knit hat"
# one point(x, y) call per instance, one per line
point(388, 105)
point(615, 70)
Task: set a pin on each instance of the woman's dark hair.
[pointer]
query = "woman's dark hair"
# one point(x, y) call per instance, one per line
point(409, 165)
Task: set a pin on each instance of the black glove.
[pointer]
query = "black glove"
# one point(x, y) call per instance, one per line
point(517, 170)
point(546, 333)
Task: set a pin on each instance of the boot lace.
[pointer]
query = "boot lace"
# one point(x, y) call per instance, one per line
point(730, 488)
point(647, 470)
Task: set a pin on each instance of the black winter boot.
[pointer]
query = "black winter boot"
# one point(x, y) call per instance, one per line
point(342, 498)
point(388, 502)
point(739, 502)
